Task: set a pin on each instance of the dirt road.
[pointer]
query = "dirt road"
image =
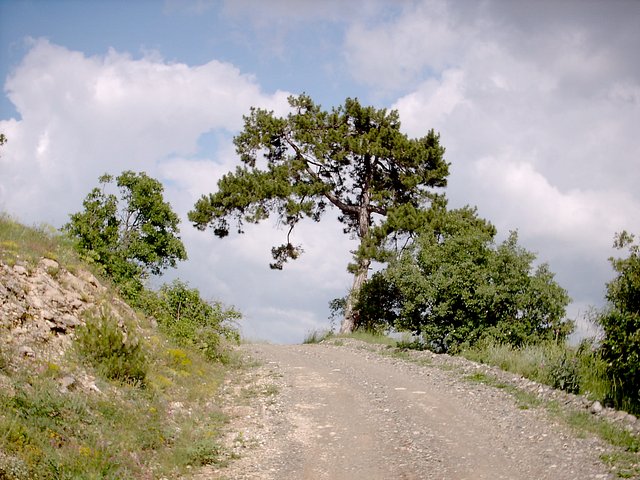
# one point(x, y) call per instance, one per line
point(334, 412)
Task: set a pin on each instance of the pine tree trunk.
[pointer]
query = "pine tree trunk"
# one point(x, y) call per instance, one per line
point(350, 313)
point(364, 222)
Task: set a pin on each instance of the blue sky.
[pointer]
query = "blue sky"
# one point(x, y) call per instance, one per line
point(537, 103)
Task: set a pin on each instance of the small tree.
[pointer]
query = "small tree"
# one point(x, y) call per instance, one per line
point(353, 158)
point(454, 285)
point(621, 325)
point(131, 235)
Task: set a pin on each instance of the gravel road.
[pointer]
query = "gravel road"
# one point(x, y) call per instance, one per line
point(339, 412)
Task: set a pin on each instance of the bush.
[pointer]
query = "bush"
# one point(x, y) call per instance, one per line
point(191, 321)
point(113, 354)
point(564, 374)
point(621, 325)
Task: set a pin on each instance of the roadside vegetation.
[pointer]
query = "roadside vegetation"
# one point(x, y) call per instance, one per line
point(456, 291)
point(152, 410)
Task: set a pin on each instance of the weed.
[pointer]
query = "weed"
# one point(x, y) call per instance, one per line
point(317, 336)
point(124, 431)
point(270, 390)
point(411, 345)
point(564, 374)
point(525, 400)
point(21, 243)
point(374, 338)
point(576, 370)
point(179, 357)
point(103, 344)
point(625, 464)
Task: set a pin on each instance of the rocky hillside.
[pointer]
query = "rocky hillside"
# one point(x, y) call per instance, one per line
point(65, 409)
point(41, 305)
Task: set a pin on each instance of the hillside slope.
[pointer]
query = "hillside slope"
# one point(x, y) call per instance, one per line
point(89, 387)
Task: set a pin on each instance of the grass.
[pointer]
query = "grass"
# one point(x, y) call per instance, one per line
point(159, 420)
point(317, 336)
point(367, 337)
point(19, 243)
point(525, 400)
point(574, 369)
point(124, 432)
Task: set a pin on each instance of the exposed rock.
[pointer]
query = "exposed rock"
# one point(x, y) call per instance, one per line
point(67, 382)
point(25, 351)
point(20, 270)
point(49, 264)
point(41, 306)
point(596, 407)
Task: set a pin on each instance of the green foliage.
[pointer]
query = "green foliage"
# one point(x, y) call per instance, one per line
point(116, 356)
point(378, 305)
point(317, 336)
point(621, 325)
point(31, 244)
point(122, 431)
point(192, 321)
point(130, 235)
point(368, 337)
point(574, 369)
point(453, 286)
point(564, 374)
point(353, 158)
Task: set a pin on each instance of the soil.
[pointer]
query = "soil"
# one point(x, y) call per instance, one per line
point(353, 412)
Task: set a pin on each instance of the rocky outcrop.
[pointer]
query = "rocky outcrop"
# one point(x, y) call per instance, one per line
point(42, 305)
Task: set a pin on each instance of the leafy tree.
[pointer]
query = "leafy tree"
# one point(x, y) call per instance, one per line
point(353, 158)
point(3, 139)
point(454, 285)
point(621, 325)
point(131, 235)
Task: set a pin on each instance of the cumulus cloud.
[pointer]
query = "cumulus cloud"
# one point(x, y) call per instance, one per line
point(537, 103)
point(81, 116)
point(537, 108)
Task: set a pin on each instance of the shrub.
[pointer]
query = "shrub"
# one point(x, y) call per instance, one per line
point(621, 325)
point(113, 354)
point(564, 374)
point(317, 336)
point(191, 321)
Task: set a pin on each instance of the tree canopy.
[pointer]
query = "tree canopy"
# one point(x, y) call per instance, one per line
point(353, 158)
point(454, 284)
point(131, 235)
point(621, 325)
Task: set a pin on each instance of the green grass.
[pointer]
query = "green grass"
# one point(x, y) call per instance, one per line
point(160, 419)
point(124, 432)
point(317, 336)
point(578, 370)
point(19, 243)
point(367, 337)
point(525, 400)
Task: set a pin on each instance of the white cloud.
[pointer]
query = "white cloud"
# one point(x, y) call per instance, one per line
point(82, 116)
point(538, 107)
point(538, 118)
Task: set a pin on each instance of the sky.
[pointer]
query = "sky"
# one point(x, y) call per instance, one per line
point(537, 105)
